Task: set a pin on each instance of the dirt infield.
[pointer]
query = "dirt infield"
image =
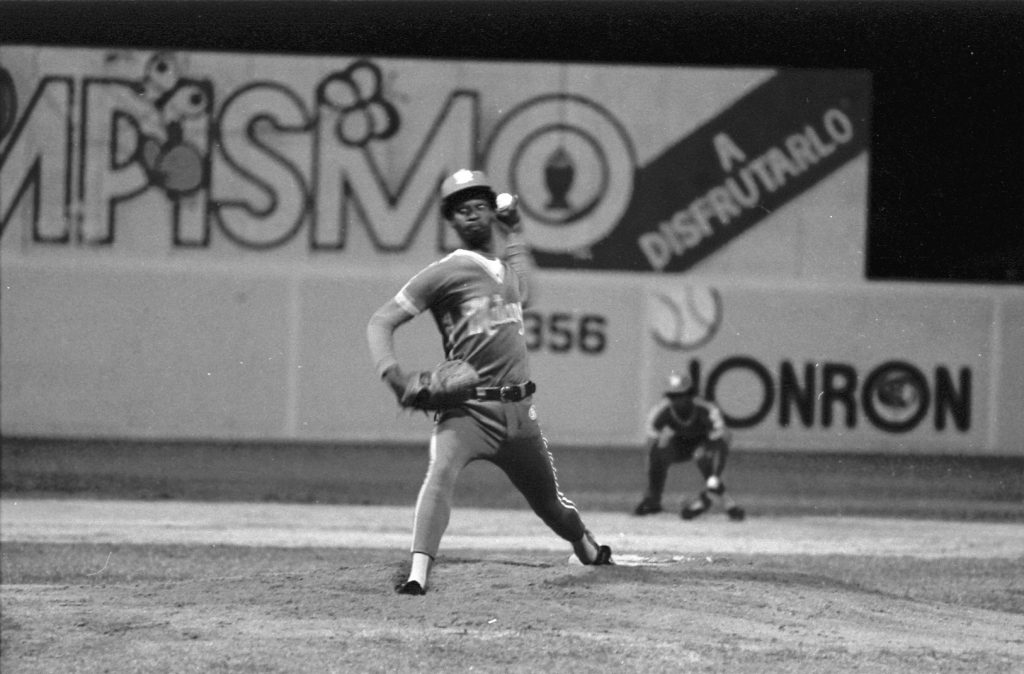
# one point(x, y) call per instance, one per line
point(170, 557)
point(97, 585)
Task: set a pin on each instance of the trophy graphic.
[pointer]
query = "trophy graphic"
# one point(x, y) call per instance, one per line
point(559, 174)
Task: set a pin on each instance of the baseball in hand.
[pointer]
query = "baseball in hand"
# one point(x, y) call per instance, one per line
point(505, 201)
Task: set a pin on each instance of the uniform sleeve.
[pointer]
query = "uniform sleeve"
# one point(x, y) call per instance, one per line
point(518, 257)
point(380, 331)
point(656, 419)
point(420, 291)
point(716, 421)
point(410, 301)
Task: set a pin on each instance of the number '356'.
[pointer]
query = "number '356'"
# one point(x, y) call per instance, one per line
point(562, 332)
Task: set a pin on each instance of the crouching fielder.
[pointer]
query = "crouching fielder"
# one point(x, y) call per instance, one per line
point(681, 427)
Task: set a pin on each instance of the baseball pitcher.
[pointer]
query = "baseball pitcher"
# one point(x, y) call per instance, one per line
point(483, 399)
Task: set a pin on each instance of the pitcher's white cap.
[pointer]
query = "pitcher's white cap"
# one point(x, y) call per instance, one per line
point(463, 179)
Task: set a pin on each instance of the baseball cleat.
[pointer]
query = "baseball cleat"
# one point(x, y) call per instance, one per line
point(647, 507)
point(410, 587)
point(695, 507)
point(736, 513)
point(604, 556)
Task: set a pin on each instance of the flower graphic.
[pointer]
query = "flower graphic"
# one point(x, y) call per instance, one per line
point(363, 112)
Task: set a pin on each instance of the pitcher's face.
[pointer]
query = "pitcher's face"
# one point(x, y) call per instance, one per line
point(474, 220)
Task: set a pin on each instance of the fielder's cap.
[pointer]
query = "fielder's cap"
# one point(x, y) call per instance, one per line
point(679, 384)
point(463, 179)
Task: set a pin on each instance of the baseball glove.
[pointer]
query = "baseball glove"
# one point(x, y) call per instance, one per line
point(447, 385)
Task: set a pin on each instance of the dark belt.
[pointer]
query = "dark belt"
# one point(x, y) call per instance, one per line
point(506, 394)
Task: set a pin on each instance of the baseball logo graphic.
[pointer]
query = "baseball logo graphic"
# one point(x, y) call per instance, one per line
point(896, 397)
point(686, 319)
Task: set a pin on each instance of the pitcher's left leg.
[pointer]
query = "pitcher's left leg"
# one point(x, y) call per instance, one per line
point(531, 468)
point(528, 462)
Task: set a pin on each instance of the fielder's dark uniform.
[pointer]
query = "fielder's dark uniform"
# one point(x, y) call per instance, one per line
point(683, 434)
point(680, 430)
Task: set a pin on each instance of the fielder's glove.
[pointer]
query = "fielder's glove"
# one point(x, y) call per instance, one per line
point(449, 384)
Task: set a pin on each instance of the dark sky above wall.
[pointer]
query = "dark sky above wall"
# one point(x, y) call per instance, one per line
point(947, 171)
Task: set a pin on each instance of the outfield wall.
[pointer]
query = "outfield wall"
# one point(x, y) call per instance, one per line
point(242, 353)
point(192, 244)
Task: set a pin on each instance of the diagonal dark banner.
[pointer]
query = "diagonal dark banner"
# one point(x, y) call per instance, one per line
point(734, 171)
